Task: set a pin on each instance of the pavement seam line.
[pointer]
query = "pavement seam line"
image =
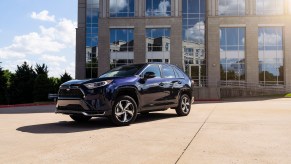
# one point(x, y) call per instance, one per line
point(195, 135)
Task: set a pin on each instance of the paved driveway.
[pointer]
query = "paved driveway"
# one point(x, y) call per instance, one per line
point(257, 131)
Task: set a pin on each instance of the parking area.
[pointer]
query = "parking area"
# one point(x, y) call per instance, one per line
point(245, 131)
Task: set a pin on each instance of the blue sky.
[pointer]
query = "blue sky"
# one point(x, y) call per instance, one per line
point(38, 31)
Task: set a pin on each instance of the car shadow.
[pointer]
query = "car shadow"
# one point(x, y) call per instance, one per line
point(94, 124)
point(28, 110)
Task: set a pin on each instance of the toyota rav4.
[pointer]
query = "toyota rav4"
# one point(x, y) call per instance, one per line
point(125, 91)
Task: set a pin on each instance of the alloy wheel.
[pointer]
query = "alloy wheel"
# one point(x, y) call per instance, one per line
point(124, 111)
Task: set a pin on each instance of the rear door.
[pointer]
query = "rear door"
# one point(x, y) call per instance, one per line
point(168, 83)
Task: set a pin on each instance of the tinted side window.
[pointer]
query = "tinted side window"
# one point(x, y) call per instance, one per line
point(168, 72)
point(153, 68)
point(179, 73)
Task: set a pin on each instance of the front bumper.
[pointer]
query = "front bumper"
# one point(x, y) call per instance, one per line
point(77, 106)
point(88, 104)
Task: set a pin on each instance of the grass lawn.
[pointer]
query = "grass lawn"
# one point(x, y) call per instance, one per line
point(288, 95)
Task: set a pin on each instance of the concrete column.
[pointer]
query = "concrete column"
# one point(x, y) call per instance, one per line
point(213, 53)
point(211, 8)
point(176, 43)
point(287, 52)
point(139, 42)
point(80, 68)
point(251, 53)
point(104, 46)
point(136, 8)
point(180, 8)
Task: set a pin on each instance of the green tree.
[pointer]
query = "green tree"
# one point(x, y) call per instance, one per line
point(22, 84)
point(65, 77)
point(3, 87)
point(54, 84)
point(41, 88)
point(41, 69)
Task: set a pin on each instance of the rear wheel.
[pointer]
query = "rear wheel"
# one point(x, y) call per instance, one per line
point(124, 111)
point(184, 106)
point(80, 118)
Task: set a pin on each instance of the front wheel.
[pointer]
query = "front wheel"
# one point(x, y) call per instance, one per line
point(124, 111)
point(80, 118)
point(184, 106)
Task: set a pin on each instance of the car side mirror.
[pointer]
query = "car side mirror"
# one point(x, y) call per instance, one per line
point(149, 75)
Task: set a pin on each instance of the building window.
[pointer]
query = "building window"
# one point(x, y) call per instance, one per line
point(92, 10)
point(158, 8)
point(121, 46)
point(232, 55)
point(121, 8)
point(158, 43)
point(194, 40)
point(270, 7)
point(271, 67)
point(231, 7)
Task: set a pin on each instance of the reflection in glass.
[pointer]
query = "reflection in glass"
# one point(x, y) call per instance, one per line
point(231, 7)
point(158, 8)
point(121, 47)
point(121, 8)
point(92, 10)
point(194, 40)
point(270, 7)
point(232, 54)
point(158, 44)
point(271, 66)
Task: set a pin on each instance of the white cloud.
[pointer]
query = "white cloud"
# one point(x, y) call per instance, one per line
point(43, 16)
point(52, 58)
point(53, 45)
point(161, 11)
point(63, 32)
point(196, 33)
point(118, 5)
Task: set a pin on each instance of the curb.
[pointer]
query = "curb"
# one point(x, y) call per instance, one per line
point(25, 105)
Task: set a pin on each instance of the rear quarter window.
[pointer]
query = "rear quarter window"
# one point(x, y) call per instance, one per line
point(179, 73)
point(168, 72)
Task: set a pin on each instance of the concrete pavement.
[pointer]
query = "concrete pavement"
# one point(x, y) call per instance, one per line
point(228, 132)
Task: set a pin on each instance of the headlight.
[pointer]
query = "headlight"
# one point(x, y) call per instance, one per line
point(97, 84)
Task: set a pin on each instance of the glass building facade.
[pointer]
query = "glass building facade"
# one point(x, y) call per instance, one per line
point(271, 56)
point(193, 26)
point(158, 8)
point(232, 54)
point(92, 15)
point(121, 47)
point(230, 41)
point(231, 7)
point(158, 44)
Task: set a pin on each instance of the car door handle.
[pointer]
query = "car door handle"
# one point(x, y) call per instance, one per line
point(179, 82)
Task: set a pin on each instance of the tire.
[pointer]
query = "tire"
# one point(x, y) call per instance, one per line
point(124, 111)
point(184, 106)
point(80, 118)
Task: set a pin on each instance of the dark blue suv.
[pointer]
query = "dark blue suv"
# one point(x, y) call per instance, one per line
point(125, 91)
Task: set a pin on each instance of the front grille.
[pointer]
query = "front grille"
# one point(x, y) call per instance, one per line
point(74, 93)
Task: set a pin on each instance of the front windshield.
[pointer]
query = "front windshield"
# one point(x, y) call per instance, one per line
point(123, 71)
